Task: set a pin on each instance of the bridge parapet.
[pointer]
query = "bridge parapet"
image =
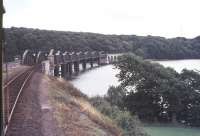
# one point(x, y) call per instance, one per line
point(87, 55)
point(94, 54)
point(66, 57)
point(73, 56)
point(58, 58)
point(80, 56)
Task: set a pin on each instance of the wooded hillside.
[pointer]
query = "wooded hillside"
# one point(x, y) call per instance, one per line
point(151, 47)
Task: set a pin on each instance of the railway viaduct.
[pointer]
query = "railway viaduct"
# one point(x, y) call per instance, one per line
point(66, 64)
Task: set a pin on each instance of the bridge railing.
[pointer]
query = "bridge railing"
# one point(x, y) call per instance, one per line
point(59, 57)
point(66, 57)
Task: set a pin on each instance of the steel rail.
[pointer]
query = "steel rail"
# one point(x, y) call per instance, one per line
point(7, 83)
point(28, 73)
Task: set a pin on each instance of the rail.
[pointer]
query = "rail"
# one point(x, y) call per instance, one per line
point(12, 91)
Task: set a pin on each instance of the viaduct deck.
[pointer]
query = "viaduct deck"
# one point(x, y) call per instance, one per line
point(65, 64)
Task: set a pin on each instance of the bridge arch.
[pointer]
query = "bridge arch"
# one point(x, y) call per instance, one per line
point(28, 58)
point(51, 52)
point(40, 57)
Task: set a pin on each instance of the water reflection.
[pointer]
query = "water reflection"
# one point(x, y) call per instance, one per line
point(98, 80)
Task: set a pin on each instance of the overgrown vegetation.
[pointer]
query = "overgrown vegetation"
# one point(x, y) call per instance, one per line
point(151, 93)
point(74, 114)
point(158, 94)
point(19, 39)
point(129, 123)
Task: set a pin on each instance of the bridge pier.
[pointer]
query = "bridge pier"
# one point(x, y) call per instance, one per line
point(84, 65)
point(69, 62)
point(76, 67)
point(70, 69)
point(67, 75)
point(56, 71)
point(63, 70)
point(91, 63)
point(98, 62)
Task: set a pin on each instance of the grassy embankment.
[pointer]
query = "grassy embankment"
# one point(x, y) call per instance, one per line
point(75, 115)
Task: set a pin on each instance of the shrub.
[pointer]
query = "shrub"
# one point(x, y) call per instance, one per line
point(129, 123)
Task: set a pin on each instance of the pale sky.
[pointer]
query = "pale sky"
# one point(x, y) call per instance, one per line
point(168, 18)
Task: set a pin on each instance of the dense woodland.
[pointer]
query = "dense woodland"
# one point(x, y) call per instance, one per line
point(151, 47)
point(153, 93)
point(156, 93)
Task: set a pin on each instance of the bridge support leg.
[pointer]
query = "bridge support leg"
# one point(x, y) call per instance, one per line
point(91, 64)
point(70, 69)
point(98, 62)
point(76, 67)
point(84, 65)
point(56, 71)
point(68, 75)
point(63, 70)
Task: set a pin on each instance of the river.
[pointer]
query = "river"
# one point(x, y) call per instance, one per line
point(97, 81)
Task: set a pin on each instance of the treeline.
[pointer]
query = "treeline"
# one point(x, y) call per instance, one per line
point(157, 94)
point(151, 47)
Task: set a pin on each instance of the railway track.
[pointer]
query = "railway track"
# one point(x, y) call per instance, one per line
point(12, 91)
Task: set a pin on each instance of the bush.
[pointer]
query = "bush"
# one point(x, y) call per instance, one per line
point(129, 123)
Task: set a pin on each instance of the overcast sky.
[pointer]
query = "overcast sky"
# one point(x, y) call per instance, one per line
point(168, 18)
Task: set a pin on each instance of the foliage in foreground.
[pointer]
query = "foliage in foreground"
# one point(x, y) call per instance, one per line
point(156, 93)
point(129, 123)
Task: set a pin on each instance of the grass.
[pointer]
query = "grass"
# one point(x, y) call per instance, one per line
point(75, 115)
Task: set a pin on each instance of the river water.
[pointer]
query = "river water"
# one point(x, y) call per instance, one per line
point(97, 81)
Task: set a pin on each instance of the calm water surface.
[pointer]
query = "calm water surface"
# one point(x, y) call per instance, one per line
point(97, 81)
point(179, 65)
point(166, 130)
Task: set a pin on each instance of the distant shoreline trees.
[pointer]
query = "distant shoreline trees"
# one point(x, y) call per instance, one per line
point(149, 47)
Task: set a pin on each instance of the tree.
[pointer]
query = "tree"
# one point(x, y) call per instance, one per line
point(115, 96)
point(158, 93)
point(150, 47)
